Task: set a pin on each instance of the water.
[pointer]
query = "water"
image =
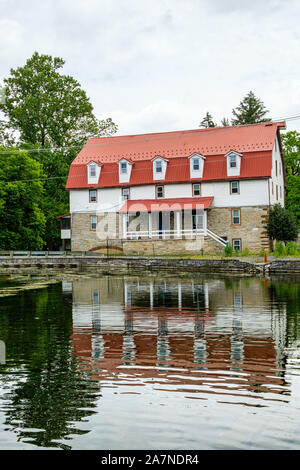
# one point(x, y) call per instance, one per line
point(154, 362)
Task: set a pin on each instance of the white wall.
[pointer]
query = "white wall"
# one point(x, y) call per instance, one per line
point(277, 181)
point(252, 193)
point(142, 192)
point(109, 199)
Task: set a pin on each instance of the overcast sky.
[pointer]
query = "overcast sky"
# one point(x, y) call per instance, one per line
point(160, 65)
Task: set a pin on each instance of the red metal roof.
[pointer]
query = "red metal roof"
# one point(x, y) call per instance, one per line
point(172, 204)
point(255, 142)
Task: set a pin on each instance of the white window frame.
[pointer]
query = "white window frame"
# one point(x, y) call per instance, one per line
point(123, 194)
point(123, 168)
point(235, 217)
point(158, 166)
point(92, 170)
point(163, 191)
point(194, 190)
point(239, 240)
point(232, 161)
point(93, 223)
point(237, 187)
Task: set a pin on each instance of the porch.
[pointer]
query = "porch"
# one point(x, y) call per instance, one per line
point(170, 219)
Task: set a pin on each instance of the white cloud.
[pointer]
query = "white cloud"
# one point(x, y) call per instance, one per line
point(163, 64)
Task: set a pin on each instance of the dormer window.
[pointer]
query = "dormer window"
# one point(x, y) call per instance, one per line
point(196, 164)
point(158, 166)
point(123, 168)
point(232, 161)
point(92, 170)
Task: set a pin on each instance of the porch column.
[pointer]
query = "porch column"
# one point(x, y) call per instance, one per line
point(205, 221)
point(178, 223)
point(150, 224)
point(124, 217)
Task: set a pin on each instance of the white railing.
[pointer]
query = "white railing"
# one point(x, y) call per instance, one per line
point(216, 237)
point(164, 234)
point(173, 234)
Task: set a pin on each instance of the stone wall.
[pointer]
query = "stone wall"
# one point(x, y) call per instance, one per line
point(85, 239)
point(251, 230)
point(163, 247)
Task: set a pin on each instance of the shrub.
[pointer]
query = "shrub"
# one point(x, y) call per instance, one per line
point(292, 249)
point(228, 250)
point(280, 249)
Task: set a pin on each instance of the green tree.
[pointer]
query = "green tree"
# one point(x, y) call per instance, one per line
point(47, 107)
point(207, 121)
point(282, 225)
point(291, 151)
point(251, 110)
point(7, 138)
point(225, 122)
point(21, 193)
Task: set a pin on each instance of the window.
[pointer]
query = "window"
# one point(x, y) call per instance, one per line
point(276, 192)
point(276, 167)
point(92, 170)
point(232, 161)
point(123, 167)
point(196, 164)
point(158, 166)
point(93, 195)
point(197, 220)
point(196, 189)
point(237, 244)
point(272, 188)
point(93, 222)
point(234, 187)
point(159, 192)
point(236, 216)
point(125, 193)
point(65, 223)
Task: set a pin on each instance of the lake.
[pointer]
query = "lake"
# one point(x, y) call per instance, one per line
point(91, 361)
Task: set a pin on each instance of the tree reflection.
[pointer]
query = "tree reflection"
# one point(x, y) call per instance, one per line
point(55, 395)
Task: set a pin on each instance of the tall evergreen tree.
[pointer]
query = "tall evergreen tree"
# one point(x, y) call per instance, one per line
point(251, 110)
point(225, 122)
point(207, 121)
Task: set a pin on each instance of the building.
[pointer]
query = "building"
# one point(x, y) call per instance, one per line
point(176, 192)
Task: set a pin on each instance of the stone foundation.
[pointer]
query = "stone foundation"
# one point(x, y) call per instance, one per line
point(163, 247)
point(251, 231)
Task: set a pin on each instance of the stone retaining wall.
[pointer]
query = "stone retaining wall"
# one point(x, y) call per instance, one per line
point(137, 264)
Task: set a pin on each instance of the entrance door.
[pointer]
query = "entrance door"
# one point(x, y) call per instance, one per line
point(160, 223)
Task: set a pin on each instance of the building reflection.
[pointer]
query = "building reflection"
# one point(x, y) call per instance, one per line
point(196, 326)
